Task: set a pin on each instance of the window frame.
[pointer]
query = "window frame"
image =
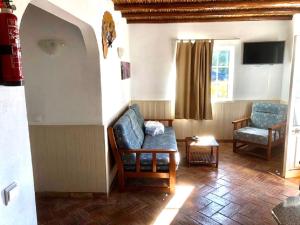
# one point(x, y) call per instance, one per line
point(231, 69)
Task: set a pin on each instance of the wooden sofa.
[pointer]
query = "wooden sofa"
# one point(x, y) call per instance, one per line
point(143, 156)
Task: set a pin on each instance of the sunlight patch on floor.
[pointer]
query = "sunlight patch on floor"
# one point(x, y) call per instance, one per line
point(168, 214)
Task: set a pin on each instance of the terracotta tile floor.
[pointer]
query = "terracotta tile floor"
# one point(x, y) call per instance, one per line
point(242, 191)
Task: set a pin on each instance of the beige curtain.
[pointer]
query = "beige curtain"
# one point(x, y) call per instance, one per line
point(193, 85)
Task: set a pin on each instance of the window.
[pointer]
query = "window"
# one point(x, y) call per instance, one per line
point(222, 73)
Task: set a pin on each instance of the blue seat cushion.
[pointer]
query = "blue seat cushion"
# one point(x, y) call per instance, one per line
point(163, 141)
point(167, 140)
point(127, 131)
point(138, 114)
point(254, 135)
point(265, 115)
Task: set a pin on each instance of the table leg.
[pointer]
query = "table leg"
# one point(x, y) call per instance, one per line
point(217, 159)
point(211, 155)
point(186, 152)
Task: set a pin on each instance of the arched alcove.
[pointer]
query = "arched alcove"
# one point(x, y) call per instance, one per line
point(58, 89)
point(63, 96)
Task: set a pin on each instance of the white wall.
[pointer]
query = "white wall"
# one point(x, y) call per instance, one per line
point(115, 92)
point(58, 89)
point(15, 158)
point(285, 88)
point(153, 48)
point(15, 162)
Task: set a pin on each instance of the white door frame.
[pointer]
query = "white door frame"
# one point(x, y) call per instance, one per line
point(288, 169)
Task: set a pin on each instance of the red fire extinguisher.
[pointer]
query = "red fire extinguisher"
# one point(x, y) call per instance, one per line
point(10, 51)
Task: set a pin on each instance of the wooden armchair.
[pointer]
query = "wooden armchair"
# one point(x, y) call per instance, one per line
point(265, 128)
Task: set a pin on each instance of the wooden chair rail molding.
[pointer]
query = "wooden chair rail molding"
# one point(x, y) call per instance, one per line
point(163, 11)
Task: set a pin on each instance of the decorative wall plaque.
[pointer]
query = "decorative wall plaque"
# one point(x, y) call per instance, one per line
point(125, 70)
point(108, 32)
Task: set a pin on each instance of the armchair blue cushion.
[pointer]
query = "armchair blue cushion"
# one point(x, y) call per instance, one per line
point(265, 115)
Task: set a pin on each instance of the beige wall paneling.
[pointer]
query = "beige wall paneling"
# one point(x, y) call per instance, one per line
point(68, 158)
point(155, 109)
point(223, 114)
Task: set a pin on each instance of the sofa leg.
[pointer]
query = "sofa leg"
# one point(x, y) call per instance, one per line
point(121, 182)
point(234, 145)
point(172, 182)
point(269, 152)
point(172, 173)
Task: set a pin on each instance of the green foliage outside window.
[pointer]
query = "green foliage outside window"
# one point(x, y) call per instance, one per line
point(220, 74)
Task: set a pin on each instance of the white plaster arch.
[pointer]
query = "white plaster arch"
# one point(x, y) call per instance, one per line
point(89, 35)
point(114, 93)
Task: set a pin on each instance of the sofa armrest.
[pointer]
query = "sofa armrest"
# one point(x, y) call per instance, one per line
point(170, 121)
point(240, 121)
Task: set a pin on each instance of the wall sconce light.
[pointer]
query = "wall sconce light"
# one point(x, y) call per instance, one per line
point(120, 52)
point(51, 46)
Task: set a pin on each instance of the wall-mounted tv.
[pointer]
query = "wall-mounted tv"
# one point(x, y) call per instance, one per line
point(263, 52)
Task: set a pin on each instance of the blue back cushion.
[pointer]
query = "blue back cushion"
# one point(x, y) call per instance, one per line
point(128, 132)
point(138, 114)
point(265, 115)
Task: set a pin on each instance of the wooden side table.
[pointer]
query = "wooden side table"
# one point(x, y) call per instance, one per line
point(200, 157)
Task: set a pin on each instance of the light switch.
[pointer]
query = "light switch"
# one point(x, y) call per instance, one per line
point(10, 193)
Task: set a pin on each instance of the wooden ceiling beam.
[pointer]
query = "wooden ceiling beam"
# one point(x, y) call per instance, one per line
point(254, 15)
point(216, 19)
point(207, 6)
point(200, 14)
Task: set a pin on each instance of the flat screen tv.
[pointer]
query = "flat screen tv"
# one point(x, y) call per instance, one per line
point(263, 52)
